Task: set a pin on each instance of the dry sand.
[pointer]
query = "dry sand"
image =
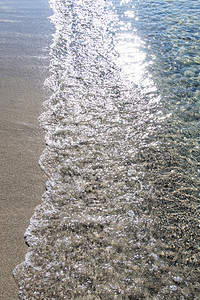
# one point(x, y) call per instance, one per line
point(21, 180)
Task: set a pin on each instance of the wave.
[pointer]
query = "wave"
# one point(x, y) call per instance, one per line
point(100, 232)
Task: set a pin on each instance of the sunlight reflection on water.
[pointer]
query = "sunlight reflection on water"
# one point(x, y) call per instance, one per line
point(118, 219)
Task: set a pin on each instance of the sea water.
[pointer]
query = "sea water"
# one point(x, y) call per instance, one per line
point(120, 215)
point(24, 37)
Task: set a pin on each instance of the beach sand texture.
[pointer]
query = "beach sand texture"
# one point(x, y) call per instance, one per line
point(24, 41)
point(21, 180)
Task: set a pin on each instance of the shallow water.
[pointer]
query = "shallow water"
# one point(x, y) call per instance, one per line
point(24, 38)
point(120, 218)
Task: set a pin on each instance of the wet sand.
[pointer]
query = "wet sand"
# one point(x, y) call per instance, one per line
point(24, 41)
point(21, 180)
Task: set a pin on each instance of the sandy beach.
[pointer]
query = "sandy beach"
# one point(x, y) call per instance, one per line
point(24, 34)
point(21, 180)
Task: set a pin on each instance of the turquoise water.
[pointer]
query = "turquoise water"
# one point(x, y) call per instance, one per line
point(120, 216)
point(170, 31)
